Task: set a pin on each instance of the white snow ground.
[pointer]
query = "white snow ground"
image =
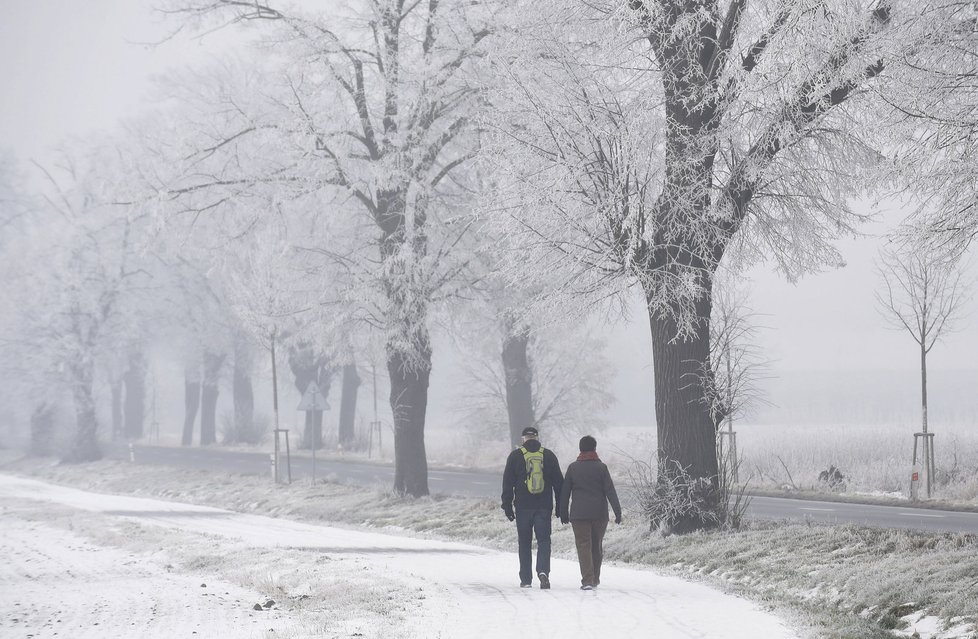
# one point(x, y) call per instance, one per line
point(55, 582)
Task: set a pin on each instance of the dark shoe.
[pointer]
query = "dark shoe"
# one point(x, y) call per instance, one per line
point(526, 585)
point(587, 587)
point(544, 581)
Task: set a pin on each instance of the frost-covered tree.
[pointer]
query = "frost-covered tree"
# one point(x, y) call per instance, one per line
point(26, 391)
point(372, 101)
point(644, 140)
point(568, 378)
point(523, 361)
point(84, 265)
point(932, 120)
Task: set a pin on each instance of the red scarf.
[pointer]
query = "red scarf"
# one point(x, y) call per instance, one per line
point(588, 456)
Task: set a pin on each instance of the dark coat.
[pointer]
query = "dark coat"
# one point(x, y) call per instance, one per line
point(590, 485)
point(514, 480)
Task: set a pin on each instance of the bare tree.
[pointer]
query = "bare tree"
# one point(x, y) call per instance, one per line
point(923, 292)
point(737, 364)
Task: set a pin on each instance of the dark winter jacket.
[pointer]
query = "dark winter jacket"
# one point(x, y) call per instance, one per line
point(514, 480)
point(590, 485)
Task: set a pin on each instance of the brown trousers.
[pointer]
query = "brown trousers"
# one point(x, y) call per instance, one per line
point(589, 533)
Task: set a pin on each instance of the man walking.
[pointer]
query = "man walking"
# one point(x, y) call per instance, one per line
point(531, 482)
point(584, 499)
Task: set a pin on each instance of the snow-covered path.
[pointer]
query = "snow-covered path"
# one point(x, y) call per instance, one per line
point(465, 591)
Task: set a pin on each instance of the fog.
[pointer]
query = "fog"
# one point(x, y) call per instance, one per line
point(71, 68)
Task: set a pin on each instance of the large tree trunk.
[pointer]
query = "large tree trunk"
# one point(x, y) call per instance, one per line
point(348, 405)
point(409, 352)
point(309, 366)
point(42, 430)
point(244, 396)
point(85, 446)
point(409, 402)
point(135, 402)
point(519, 378)
point(116, 409)
point(191, 402)
point(686, 432)
point(208, 397)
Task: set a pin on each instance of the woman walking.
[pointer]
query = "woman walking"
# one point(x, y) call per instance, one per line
point(587, 490)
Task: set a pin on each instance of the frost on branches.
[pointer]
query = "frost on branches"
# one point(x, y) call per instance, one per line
point(76, 299)
point(645, 141)
point(372, 102)
point(932, 121)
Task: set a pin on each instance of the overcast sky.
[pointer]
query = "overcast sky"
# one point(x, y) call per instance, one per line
point(73, 66)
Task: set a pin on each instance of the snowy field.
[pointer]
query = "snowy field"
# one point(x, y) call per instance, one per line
point(874, 458)
point(82, 564)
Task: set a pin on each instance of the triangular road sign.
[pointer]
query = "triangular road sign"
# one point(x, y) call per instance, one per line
point(313, 398)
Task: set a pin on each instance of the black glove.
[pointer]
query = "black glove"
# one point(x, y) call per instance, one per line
point(617, 519)
point(509, 513)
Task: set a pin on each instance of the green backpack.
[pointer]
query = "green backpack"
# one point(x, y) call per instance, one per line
point(534, 470)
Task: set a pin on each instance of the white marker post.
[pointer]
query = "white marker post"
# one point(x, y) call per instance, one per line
point(313, 400)
point(915, 482)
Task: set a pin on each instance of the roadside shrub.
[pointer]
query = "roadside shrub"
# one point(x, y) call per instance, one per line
point(667, 498)
point(833, 479)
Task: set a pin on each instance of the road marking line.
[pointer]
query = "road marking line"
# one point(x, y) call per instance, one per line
point(481, 483)
point(824, 510)
point(437, 478)
point(922, 515)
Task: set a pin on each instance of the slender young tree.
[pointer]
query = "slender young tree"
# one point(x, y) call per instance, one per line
point(923, 292)
point(737, 365)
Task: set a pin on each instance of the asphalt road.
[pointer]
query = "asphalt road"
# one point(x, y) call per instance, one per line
point(476, 484)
